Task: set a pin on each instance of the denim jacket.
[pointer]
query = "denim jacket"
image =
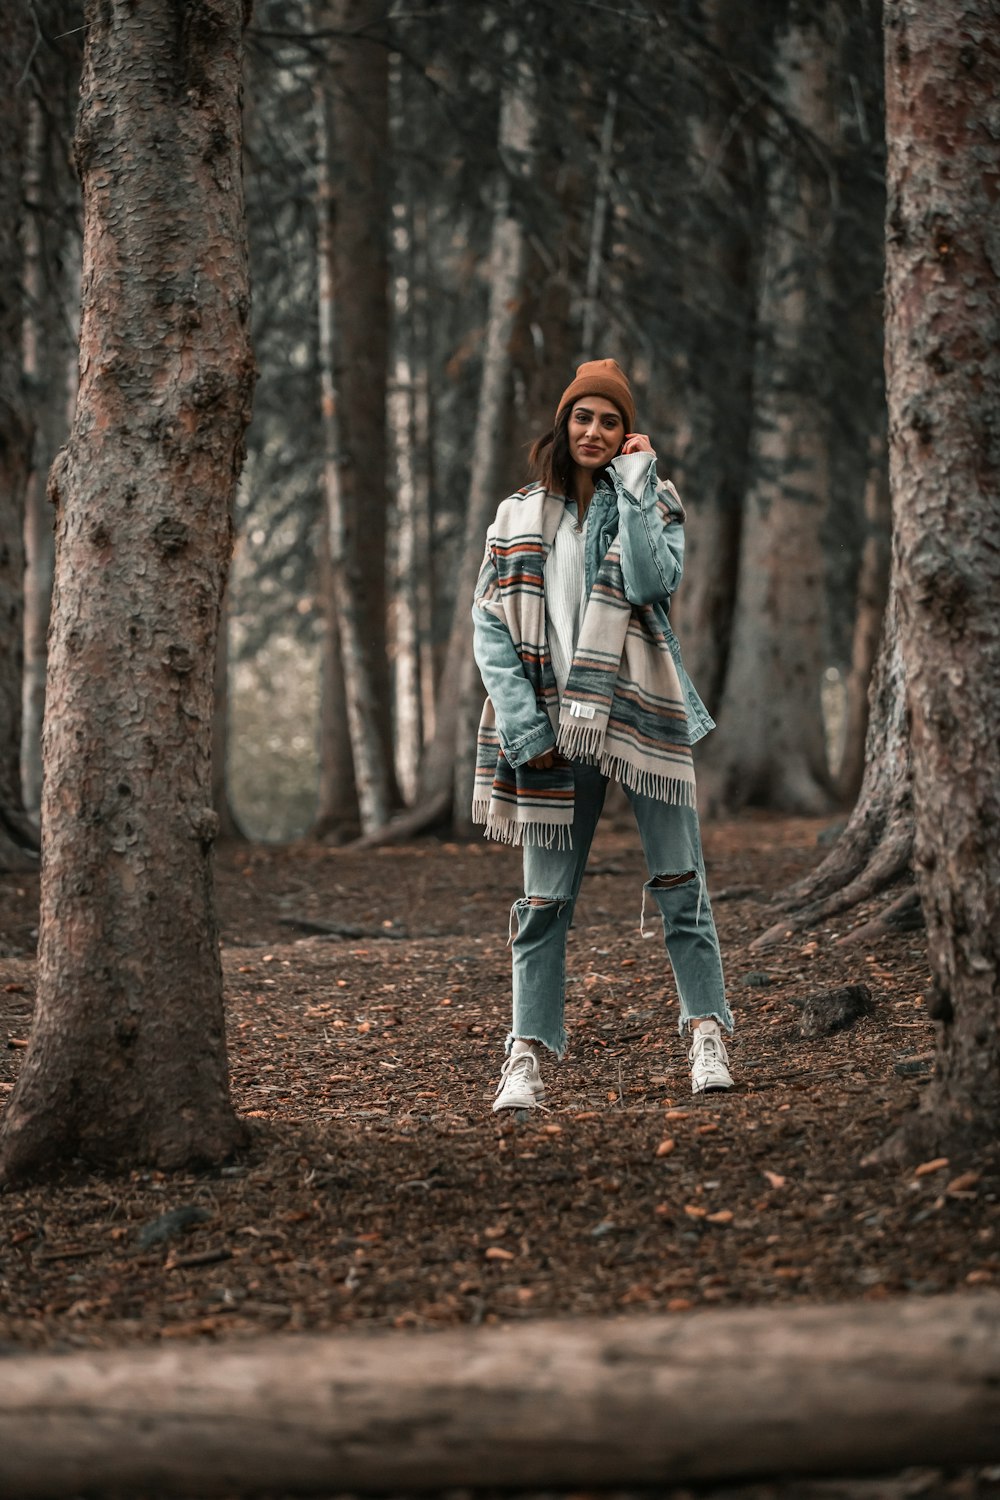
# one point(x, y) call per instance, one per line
point(652, 556)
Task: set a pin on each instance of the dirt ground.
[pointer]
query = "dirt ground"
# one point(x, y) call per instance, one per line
point(379, 1190)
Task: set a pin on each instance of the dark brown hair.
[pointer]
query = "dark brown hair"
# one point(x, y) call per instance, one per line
point(549, 456)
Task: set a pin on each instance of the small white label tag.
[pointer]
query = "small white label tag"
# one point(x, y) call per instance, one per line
point(582, 710)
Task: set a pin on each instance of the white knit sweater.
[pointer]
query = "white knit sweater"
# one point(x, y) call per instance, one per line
point(565, 573)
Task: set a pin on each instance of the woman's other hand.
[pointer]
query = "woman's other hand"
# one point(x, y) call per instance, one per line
point(637, 442)
point(545, 760)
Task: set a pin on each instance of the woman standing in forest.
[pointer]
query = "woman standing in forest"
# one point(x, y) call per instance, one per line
point(585, 683)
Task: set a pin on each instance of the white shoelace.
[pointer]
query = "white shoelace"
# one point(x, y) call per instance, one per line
point(527, 1063)
point(717, 1055)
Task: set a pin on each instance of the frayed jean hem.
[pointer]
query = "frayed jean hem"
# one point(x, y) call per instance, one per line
point(557, 1048)
point(724, 1018)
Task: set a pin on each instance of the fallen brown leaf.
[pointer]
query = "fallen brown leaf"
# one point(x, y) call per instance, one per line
point(927, 1167)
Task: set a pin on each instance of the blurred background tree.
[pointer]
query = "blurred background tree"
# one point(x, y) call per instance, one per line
point(449, 207)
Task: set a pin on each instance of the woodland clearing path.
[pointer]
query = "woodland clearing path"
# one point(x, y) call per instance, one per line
point(381, 1192)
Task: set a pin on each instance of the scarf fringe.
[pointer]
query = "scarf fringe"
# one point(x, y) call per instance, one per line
point(677, 790)
point(512, 831)
point(582, 741)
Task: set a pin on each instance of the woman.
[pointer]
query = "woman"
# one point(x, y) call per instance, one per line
point(585, 683)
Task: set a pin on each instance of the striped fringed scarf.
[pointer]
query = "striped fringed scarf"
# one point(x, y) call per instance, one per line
point(623, 709)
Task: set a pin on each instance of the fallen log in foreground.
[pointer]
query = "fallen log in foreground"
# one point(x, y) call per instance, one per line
point(705, 1396)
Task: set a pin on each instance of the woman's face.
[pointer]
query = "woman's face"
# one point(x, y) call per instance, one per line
point(596, 432)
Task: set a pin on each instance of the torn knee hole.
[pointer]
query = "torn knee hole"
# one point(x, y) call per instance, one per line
point(659, 882)
point(539, 901)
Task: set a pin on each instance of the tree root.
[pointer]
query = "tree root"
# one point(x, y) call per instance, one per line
point(889, 860)
point(420, 819)
point(905, 914)
point(19, 842)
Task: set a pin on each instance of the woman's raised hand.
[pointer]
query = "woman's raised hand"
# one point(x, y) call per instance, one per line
point(637, 442)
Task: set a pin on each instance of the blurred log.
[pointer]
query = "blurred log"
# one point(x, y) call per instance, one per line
point(709, 1397)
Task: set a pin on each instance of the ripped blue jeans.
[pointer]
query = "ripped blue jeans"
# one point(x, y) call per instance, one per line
point(671, 842)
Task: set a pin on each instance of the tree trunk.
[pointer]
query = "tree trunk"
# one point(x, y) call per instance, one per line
point(876, 847)
point(943, 368)
point(598, 221)
point(127, 1057)
point(229, 828)
point(18, 842)
point(424, 459)
point(769, 749)
point(337, 798)
point(353, 380)
point(578, 1405)
point(410, 555)
point(460, 686)
point(869, 609)
point(714, 408)
point(51, 334)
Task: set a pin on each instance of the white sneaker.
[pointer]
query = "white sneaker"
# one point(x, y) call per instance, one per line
point(708, 1058)
point(520, 1085)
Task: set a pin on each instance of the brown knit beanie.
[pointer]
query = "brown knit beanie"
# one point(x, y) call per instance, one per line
point(602, 377)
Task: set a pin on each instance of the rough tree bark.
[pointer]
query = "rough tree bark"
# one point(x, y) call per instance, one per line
point(943, 372)
point(18, 840)
point(646, 1403)
point(442, 788)
point(127, 1058)
point(352, 140)
point(769, 749)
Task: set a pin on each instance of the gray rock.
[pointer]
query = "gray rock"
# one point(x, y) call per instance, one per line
point(835, 1010)
point(164, 1228)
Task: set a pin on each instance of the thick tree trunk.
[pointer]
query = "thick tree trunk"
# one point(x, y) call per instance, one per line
point(127, 1057)
point(769, 749)
point(460, 685)
point(18, 842)
point(651, 1402)
point(943, 368)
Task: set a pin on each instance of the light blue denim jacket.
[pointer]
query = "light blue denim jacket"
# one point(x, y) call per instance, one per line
point(652, 556)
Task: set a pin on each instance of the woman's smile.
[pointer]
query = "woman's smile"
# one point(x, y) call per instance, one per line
point(595, 432)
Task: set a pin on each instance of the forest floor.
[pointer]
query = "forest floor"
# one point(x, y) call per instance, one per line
point(379, 1190)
